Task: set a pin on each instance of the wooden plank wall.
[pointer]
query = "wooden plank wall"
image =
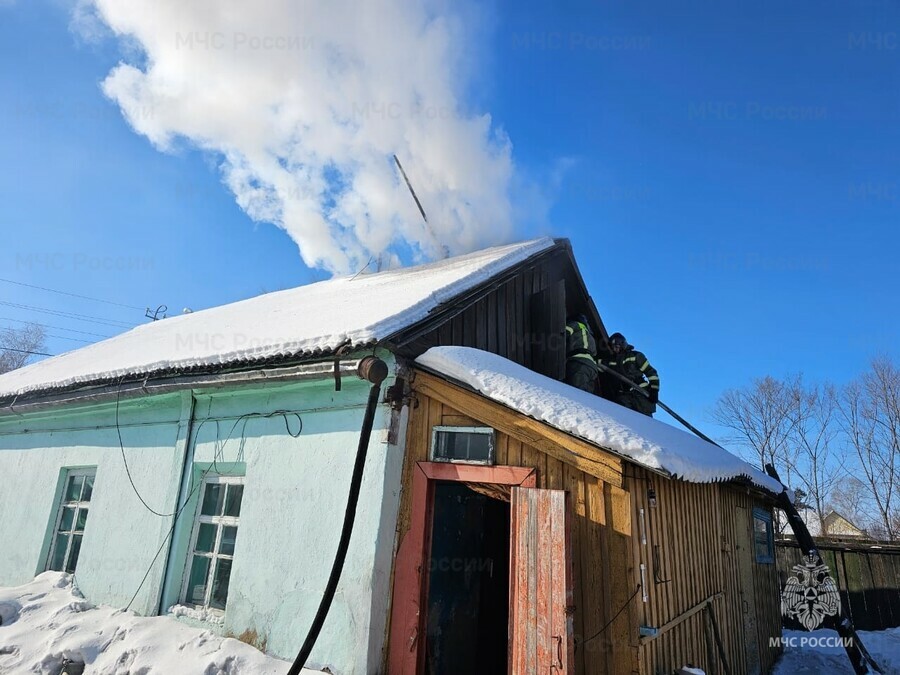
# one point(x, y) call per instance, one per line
point(867, 577)
point(511, 322)
point(690, 558)
point(601, 536)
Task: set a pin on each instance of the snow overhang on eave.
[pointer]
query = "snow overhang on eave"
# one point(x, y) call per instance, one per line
point(319, 365)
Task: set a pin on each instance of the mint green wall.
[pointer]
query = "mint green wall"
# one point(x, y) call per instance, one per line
point(294, 499)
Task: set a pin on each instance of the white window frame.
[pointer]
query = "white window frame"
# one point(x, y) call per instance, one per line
point(214, 556)
point(60, 509)
point(486, 431)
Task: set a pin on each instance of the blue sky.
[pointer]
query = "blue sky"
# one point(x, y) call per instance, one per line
point(728, 173)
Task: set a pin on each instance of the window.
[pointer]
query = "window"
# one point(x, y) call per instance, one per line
point(474, 445)
point(212, 544)
point(763, 536)
point(71, 519)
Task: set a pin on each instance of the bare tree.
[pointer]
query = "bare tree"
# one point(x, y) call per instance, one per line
point(816, 467)
point(761, 418)
point(870, 409)
point(850, 498)
point(17, 346)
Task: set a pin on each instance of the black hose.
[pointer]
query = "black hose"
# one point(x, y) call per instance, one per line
point(637, 389)
point(375, 371)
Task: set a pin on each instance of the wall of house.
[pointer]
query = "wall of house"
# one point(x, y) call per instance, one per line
point(294, 499)
point(693, 555)
point(602, 527)
point(121, 537)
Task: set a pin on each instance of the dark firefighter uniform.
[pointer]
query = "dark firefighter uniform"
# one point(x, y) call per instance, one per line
point(581, 351)
point(635, 367)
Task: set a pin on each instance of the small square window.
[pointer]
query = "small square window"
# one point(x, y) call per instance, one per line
point(71, 519)
point(208, 568)
point(474, 445)
point(763, 536)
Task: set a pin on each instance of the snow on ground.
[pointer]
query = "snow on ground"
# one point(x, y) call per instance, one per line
point(308, 319)
point(819, 653)
point(46, 621)
point(647, 441)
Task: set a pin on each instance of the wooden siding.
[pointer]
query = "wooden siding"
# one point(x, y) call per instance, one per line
point(601, 525)
point(689, 555)
point(521, 316)
point(692, 560)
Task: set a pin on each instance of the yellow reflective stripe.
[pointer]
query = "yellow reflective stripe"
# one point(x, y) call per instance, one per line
point(629, 359)
point(570, 330)
point(645, 366)
point(644, 384)
point(586, 357)
point(653, 377)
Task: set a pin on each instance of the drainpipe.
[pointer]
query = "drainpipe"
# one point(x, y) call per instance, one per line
point(375, 371)
point(187, 462)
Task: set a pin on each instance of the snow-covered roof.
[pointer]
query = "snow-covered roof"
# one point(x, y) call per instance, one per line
point(311, 319)
point(642, 439)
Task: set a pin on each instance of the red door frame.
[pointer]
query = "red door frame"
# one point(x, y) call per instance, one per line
point(405, 656)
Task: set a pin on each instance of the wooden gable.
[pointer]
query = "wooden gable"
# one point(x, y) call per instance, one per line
point(520, 315)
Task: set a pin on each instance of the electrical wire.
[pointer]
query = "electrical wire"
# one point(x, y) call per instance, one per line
point(47, 325)
point(69, 315)
point(194, 487)
point(10, 329)
point(610, 622)
point(71, 295)
point(24, 351)
point(125, 462)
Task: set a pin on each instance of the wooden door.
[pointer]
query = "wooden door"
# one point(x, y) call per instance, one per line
point(541, 634)
point(743, 538)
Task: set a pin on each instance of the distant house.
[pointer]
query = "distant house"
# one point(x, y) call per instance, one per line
point(835, 525)
point(200, 466)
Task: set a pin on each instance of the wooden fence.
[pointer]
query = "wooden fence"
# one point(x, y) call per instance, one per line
point(867, 575)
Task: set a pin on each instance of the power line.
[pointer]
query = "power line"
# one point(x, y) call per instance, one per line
point(48, 325)
point(50, 335)
point(71, 295)
point(70, 315)
point(24, 351)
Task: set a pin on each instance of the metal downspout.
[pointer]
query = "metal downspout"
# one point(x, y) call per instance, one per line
point(187, 460)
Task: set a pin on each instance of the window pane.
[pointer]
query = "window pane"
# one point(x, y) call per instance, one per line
point(88, 489)
point(73, 554)
point(220, 587)
point(59, 552)
point(73, 489)
point(233, 500)
point(212, 499)
point(68, 517)
point(196, 590)
point(226, 545)
point(206, 538)
point(462, 445)
point(81, 520)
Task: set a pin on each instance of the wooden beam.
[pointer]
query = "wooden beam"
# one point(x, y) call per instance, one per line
point(547, 439)
point(684, 616)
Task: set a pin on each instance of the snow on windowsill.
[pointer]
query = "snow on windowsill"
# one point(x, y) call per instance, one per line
point(201, 614)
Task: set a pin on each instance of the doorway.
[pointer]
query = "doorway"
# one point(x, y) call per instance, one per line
point(468, 582)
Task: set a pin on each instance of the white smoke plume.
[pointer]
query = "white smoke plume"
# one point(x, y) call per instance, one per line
point(306, 102)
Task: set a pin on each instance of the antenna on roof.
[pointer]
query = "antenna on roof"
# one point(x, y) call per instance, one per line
point(444, 247)
point(155, 315)
point(411, 191)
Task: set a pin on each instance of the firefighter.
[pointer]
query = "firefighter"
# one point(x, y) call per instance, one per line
point(581, 352)
point(635, 367)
